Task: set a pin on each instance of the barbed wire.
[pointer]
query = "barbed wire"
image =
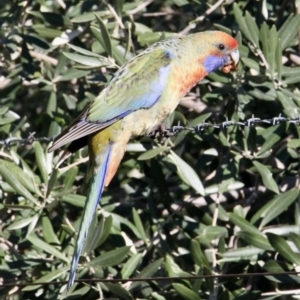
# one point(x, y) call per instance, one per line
point(167, 132)
point(159, 278)
point(164, 132)
point(12, 141)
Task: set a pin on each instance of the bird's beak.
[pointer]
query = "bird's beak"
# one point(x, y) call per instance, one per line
point(235, 56)
point(233, 59)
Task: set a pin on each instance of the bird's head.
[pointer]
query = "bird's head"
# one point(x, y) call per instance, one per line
point(215, 50)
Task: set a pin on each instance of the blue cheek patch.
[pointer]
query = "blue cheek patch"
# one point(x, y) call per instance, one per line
point(213, 62)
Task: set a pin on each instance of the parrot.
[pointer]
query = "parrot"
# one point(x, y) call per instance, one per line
point(141, 94)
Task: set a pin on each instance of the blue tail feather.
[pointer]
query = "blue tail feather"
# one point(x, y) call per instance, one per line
point(94, 196)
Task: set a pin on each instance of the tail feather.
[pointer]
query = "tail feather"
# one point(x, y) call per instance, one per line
point(94, 195)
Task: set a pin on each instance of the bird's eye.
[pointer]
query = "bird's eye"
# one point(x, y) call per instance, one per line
point(221, 46)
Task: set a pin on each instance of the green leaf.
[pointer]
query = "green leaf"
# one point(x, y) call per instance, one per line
point(252, 64)
point(198, 256)
point(279, 204)
point(291, 76)
point(272, 40)
point(110, 258)
point(226, 186)
point(70, 177)
point(70, 101)
point(278, 60)
point(20, 223)
point(46, 32)
point(264, 39)
point(181, 2)
point(73, 199)
point(104, 231)
point(118, 220)
point(283, 230)
point(51, 106)
point(256, 240)
point(118, 290)
point(295, 238)
point(283, 248)
point(252, 29)
point(290, 108)
point(243, 223)
point(288, 31)
point(94, 232)
point(214, 232)
point(78, 293)
point(87, 17)
point(51, 182)
point(49, 277)
point(48, 231)
point(131, 265)
point(273, 267)
point(11, 177)
point(32, 224)
point(118, 5)
point(3, 110)
point(87, 52)
point(94, 62)
point(185, 292)
point(187, 174)
point(105, 39)
point(242, 252)
point(41, 161)
point(139, 225)
point(148, 271)
point(275, 207)
point(267, 177)
point(271, 137)
point(26, 177)
point(152, 153)
point(98, 233)
point(246, 24)
point(40, 244)
point(173, 269)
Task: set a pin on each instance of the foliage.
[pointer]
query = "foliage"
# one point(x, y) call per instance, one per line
point(224, 201)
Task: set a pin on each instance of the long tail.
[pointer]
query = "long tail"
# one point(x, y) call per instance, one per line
point(97, 184)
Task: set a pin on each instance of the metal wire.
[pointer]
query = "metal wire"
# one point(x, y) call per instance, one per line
point(167, 132)
point(164, 132)
point(160, 278)
point(12, 141)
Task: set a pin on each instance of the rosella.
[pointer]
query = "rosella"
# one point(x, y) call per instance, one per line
point(140, 96)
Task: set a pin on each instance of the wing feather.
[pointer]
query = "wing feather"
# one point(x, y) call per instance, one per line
point(137, 85)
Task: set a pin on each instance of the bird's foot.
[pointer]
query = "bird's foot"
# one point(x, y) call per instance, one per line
point(162, 132)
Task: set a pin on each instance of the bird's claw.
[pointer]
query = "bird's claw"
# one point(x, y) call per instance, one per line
point(161, 132)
